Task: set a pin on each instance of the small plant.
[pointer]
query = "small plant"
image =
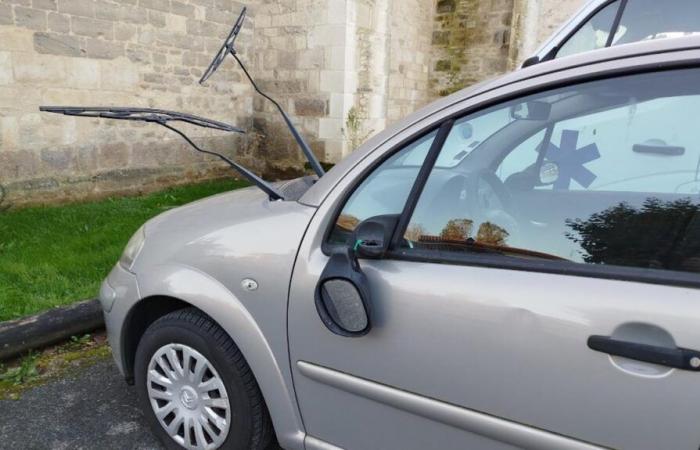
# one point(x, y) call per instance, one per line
point(3, 197)
point(354, 131)
point(25, 372)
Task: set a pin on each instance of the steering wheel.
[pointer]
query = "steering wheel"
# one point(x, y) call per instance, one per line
point(480, 197)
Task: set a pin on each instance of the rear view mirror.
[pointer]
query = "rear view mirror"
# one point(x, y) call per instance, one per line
point(533, 110)
point(342, 296)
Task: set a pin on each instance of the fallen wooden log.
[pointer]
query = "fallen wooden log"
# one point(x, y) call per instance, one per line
point(56, 325)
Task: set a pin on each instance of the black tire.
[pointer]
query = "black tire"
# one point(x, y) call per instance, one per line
point(251, 427)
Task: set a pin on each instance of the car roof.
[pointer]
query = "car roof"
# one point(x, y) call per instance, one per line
point(617, 58)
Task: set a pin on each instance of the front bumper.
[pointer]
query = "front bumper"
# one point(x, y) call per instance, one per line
point(118, 294)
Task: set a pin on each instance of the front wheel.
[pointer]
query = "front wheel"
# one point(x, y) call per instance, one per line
point(195, 387)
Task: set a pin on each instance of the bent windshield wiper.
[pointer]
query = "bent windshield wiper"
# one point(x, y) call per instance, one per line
point(162, 117)
point(228, 48)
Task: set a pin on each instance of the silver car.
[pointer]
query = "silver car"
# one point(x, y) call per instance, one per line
point(606, 23)
point(514, 266)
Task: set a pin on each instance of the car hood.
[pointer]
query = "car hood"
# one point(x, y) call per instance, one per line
point(237, 223)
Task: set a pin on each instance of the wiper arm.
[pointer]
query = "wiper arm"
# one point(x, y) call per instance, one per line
point(228, 47)
point(162, 117)
point(158, 116)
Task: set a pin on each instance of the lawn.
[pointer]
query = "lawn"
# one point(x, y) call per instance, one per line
point(56, 255)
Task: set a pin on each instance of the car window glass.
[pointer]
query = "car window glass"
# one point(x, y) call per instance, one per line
point(612, 176)
point(593, 34)
point(384, 191)
point(653, 19)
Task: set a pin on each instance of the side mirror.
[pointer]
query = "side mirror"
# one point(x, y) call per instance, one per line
point(531, 61)
point(533, 110)
point(342, 295)
point(372, 237)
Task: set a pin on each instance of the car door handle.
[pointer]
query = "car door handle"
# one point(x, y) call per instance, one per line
point(679, 358)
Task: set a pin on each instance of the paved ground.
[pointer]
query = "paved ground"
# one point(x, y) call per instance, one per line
point(90, 409)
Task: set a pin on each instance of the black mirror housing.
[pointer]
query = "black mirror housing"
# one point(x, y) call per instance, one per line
point(342, 296)
point(372, 237)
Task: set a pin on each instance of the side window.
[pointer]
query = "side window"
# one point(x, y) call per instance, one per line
point(384, 191)
point(653, 19)
point(609, 174)
point(593, 34)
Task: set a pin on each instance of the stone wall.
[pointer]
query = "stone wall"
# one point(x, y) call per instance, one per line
point(471, 41)
point(147, 53)
point(343, 70)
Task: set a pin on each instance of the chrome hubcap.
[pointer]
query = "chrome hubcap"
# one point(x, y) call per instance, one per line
point(188, 397)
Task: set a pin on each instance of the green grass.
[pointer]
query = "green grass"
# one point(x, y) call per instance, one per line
point(56, 255)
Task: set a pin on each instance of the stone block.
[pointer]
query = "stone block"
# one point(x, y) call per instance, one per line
point(113, 156)
point(441, 37)
point(61, 160)
point(34, 19)
point(160, 5)
point(59, 23)
point(83, 73)
point(182, 9)
point(310, 107)
point(329, 128)
point(156, 18)
point(6, 16)
point(333, 81)
point(32, 68)
point(9, 135)
point(101, 49)
point(138, 54)
point(58, 44)
point(443, 65)
point(138, 16)
point(124, 31)
point(92, 27)
point(85, 8)
point(47, 5)
point(175, 23)
point(118, 75)
point(446, 6)
point(6, 76)
point(19, 165)
point(108, 11)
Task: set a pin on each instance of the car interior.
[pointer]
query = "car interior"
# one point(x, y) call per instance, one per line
point(602, 173)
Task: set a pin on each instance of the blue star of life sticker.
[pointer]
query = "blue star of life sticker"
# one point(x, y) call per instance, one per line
point(572, 160)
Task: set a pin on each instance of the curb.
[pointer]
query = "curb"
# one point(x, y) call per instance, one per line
point(21, 335)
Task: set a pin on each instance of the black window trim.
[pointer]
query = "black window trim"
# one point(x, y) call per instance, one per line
point(505, 262)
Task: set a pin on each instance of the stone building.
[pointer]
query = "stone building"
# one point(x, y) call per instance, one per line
point(343, 69)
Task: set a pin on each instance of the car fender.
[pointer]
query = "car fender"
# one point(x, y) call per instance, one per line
point(200, 290)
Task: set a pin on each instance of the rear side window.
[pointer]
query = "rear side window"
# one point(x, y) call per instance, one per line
point(593, 34)
point(640, 20)
point(657, 19)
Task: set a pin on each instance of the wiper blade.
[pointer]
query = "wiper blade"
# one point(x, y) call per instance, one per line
point(162, 117)
point(228, 47)
point(158, 116)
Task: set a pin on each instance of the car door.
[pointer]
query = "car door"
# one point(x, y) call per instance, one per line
point(541, 285)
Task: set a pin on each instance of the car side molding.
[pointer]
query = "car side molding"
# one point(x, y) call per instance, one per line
point(486, 425)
